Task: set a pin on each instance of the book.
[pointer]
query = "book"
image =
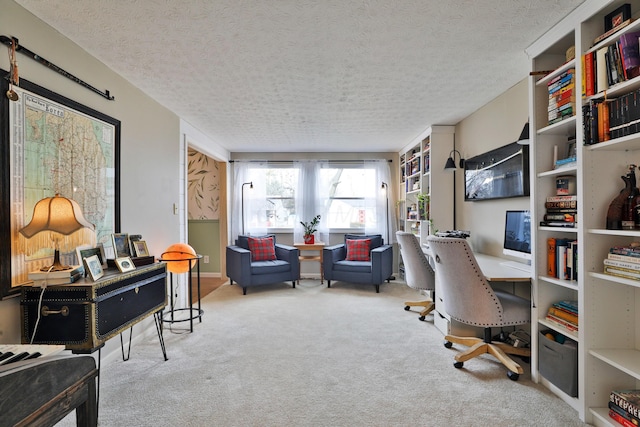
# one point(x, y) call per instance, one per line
point(60, 280)
point(561, 322)
point(630, 49)
point(63, 274)
point(560, 224)
point(622, 273)
point(566, 217)
point(571, 306)
point(561, 253)
point(602, 83)
point(589, 74)
point(628, 400)
point(625, 414)
point(632, 266)
point(551, 257)
point(624, 258)
point(620, 419)
point(619, 250)
point(563, 314)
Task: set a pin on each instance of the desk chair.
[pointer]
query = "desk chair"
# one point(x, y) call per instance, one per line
point(417, 270)
point(469, 298)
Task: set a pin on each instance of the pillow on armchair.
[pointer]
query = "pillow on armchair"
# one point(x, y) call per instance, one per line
point(262, 248)
point(358, 249)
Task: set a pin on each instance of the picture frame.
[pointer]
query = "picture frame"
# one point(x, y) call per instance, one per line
point(140, 247)
point(85, 251)
point(120, 243)
point(133, 238)
point(18, 194)
point(125, 264)
point(94, 267)
point(617, 17)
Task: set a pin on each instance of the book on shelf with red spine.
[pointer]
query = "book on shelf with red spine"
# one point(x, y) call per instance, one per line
point(625, 414)
point(620, 419)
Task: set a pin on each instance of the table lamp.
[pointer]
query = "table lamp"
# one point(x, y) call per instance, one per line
point(57, 222)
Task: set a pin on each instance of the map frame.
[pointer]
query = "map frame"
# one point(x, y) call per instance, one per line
point(9, 283)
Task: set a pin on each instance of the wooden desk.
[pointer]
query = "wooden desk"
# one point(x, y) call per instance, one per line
point(317, 246)
point(41, 392)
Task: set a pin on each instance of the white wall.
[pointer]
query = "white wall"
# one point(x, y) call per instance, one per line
point(495, 124)
point(150, 136)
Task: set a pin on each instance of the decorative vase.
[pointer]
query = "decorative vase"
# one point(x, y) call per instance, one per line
point(309, 239)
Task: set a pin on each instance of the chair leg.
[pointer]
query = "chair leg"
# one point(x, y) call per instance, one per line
point(294, 284)
point(377, 289)
point(244, 291)
point(328, 283)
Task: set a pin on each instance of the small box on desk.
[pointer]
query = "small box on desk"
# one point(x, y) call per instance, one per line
point(559, 362)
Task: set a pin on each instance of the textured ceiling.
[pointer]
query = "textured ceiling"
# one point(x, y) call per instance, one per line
point(311, 75)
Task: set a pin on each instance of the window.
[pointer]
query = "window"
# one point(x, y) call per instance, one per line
point(348, 195)
point(351, 197)
point(273, 201)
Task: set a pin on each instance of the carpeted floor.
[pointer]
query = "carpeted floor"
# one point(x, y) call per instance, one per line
point(314, 356)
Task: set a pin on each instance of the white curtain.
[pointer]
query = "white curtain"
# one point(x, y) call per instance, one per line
point(311, 200)
point(249, 190)
point(385, 214)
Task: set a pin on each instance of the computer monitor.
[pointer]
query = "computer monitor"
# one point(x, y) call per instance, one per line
point(517, 234)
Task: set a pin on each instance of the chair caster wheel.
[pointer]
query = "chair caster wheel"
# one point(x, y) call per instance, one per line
point(421, 318)
point(513, 376)
point(525, 359)
point(448, 344)
point(407, 308)
point(459, 365)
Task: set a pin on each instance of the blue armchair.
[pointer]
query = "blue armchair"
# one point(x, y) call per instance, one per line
point(246, 271)
point(373, 269)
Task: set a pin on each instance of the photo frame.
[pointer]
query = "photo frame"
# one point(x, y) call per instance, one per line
point(120, 243)
point(617, 17)
point(140, 247)
point(94, 267)
point(125, 264)
point(133, 238)
point(86, 251)
point(19, 192)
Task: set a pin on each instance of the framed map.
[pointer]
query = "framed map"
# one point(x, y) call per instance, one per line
point(50, 144)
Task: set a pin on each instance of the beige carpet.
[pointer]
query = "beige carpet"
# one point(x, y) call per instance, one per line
point(313, 356)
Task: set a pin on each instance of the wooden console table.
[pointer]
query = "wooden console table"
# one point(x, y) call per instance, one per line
point(318, 247)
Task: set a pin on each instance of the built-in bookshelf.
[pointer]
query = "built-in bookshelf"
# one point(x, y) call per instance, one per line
point(608, 336)
point(426, 207)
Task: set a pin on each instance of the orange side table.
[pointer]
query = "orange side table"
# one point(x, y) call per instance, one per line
point(317, 246)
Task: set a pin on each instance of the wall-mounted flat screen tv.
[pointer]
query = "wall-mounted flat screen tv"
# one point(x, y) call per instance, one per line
point(497, 174)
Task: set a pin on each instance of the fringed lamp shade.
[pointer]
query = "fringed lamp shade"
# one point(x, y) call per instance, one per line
point(57, 223)
point(178, 256)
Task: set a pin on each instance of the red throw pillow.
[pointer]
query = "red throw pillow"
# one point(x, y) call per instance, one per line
point(262, 249)
point(358, 250)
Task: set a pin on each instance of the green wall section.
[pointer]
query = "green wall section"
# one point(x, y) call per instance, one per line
point(204, 237)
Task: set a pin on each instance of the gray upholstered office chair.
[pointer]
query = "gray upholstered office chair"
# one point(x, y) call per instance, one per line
point(417, 271)
point(469, 298)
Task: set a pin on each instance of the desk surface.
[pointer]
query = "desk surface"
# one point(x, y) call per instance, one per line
point(494, 269)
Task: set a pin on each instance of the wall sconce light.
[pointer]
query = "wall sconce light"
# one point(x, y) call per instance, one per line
point(57, 222)
point(524, 135)
point(451, 164)
point(250, 184)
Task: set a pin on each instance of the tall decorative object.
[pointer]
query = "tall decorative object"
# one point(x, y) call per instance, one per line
point(616, 207)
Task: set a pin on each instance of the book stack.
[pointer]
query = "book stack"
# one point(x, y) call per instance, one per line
point(562, 258)
point(564, 314)
point(71, 275)
point(561, 211)
point(623, 261)
point(562, 100)
point(624, 407)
